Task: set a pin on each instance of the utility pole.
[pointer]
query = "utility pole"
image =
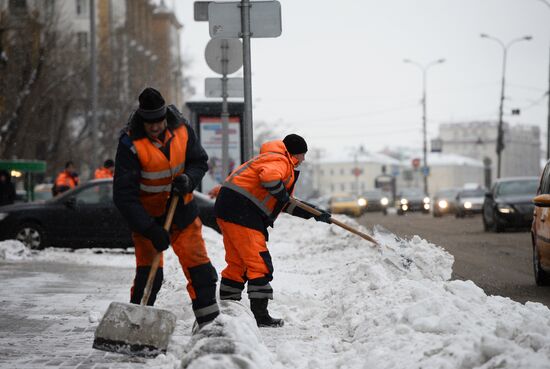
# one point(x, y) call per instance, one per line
point(424, 69)
point(247, 66)
point(500, 131)
point(93, 86)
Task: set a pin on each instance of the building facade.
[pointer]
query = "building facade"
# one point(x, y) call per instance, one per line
point(521, 154)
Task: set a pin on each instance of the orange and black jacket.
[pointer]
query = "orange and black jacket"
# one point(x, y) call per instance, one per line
point(65, 181)
point(142, 199)
point(103, 173)
point(250, 195)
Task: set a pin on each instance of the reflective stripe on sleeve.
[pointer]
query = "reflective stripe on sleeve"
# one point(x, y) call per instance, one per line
point(249, 196)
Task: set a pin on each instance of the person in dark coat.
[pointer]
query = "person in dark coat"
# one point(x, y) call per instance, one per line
point(7, 188)
point(158, 157)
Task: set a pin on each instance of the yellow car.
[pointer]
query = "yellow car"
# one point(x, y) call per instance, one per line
point(347, 204)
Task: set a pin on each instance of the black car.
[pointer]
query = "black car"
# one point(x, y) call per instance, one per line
point(412, 199)
point(377, 200)
point(82, 217)
point(444, 202)
point(509, 204)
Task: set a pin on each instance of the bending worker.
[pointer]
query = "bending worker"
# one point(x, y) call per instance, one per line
point(66, 180)
point(248, 203)
point(106, 171)
point(159, 156)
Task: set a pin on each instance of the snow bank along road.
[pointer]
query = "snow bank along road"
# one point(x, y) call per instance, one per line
point(346, 305)
point(500, 263)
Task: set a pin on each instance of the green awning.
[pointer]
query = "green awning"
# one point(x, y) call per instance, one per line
point(34, 166)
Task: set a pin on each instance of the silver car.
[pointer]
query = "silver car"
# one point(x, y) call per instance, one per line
point(469, 202)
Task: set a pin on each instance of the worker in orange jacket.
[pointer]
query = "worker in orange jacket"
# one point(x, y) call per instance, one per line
point(158, 157)
point(66, 180)
point(248, 203)
point(106, 171)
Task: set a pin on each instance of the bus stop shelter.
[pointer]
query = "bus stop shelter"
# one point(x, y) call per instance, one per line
point(27, 168)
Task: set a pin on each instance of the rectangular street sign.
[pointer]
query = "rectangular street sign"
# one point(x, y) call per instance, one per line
point(224, 19)
point(213, 87)
point(201, 10)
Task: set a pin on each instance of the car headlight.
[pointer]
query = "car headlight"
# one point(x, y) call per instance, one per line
point(404, 201)
point(467, 205)
point(362, 202)
point(3, 216)
point(384, 201)
point(426, 200)
point(426, 206)
point(404, 207)
point(443, 204)
point(505, 209)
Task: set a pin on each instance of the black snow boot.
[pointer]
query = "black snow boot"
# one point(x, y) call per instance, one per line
point(259, 309)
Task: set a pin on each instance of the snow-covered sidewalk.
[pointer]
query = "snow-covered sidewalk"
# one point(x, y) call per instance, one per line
point(346, 305)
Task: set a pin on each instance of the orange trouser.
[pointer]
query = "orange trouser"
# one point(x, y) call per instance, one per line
point(188, 245)
point(248, 259)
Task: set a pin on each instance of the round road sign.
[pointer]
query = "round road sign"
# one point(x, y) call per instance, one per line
point(214, 54)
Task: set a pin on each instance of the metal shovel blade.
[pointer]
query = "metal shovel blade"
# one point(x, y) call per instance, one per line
point(135, 330)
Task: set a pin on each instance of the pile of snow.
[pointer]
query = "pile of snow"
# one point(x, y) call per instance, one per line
point(13, 250)
point(349, 304)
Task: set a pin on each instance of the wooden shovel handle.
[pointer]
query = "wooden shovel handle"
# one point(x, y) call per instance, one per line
point(316, 212)
point(156, 260)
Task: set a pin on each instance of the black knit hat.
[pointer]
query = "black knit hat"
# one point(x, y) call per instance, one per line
point(295, 144)
point(109, 163)
point(152, 107)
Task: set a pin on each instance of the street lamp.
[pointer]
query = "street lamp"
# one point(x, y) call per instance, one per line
point(424, 69)
point(500, 138)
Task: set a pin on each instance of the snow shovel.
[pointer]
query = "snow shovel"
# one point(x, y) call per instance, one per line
point(316, 212)
point(138, 329)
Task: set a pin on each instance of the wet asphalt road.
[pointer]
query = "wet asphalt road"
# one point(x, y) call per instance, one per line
point(500, 263)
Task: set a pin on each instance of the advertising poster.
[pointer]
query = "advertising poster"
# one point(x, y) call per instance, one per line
point(211, 140)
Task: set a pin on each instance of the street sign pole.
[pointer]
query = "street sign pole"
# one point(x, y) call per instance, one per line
point(248, 124)
point(225, 111)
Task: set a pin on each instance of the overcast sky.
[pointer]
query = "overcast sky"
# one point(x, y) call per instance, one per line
point(336, 74)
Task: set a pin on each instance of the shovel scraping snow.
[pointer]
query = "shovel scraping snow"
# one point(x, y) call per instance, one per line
point(138, 329)
point(316, 212)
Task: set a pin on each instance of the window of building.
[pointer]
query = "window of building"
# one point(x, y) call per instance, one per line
point(82, 40)
point(332, 172)
point(342, 186)
point(342, 171)
point(81, 7)
point(16, 5)
point(49, 8)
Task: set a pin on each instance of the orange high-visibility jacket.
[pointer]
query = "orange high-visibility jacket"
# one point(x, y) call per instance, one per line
point(157, 172)
point(66, 179)
point(103, 173)
point(272, 166)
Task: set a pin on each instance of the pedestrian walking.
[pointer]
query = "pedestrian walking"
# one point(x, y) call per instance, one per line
point(248, 203)
point(106, 171)
point(159, 156)
point(66, 180)
point(7, 188)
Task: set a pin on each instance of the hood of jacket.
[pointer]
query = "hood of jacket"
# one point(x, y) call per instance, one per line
point(279, 147)
point(135, 128)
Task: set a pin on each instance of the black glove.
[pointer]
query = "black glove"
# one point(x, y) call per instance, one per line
point(279, 192)
point(323, 217)
point(183, 185)
point(158, 236)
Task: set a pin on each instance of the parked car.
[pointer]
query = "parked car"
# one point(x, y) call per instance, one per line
point(509, 203)
point(377, 200)
point(540, 230)
point(82, 217)
point(444, 202)
point(347, 204)
point(412, 199)
point(470, 201)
